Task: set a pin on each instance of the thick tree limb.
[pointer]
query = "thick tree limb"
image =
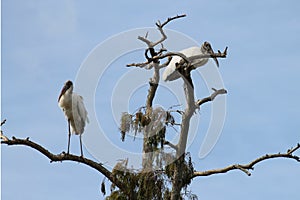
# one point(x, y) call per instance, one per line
point(66, 157)
point(147, 147)
point(245, 168)
point(177, 183)
point(153, 87)
point(211, 97)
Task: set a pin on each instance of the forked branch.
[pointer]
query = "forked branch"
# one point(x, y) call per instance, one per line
point(160, 28)
point(250, 166)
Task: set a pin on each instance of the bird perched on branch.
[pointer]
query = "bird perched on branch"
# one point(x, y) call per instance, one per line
point(73, 107)
point(171, 73)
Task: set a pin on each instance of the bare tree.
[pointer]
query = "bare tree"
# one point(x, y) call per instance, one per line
point(159, 178)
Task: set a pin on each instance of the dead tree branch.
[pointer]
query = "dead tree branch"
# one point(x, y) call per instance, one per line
point(3, 122)
point(160, 28)
point(153, 44)
point(211, 97)
point(246, 167)
point(158, 24)
point(65, 157)
point(171, 145)
point(156, 56)
point(159, 57)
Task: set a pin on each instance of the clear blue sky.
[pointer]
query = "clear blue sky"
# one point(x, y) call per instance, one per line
point(45, 42)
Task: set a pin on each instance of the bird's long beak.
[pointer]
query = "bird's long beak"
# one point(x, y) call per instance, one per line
point(211, 51)
point(64, 89)
point(216, 61)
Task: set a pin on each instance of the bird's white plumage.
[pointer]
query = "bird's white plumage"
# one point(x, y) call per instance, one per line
point(171, 73)
point(79, 114)
point(74, 110)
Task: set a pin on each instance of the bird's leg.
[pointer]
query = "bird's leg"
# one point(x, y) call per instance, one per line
point(69, 137)
point(80, 145)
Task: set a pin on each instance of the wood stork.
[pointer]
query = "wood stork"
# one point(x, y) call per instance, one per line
point(73, 107)
point(171, 73)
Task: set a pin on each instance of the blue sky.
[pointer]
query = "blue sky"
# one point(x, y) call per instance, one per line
point(45, 42)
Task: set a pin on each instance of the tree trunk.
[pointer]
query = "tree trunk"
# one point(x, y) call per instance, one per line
point(180, 153)
point(147, 148)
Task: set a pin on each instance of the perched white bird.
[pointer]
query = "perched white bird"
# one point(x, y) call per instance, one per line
point(74, 110)
point(171, 73)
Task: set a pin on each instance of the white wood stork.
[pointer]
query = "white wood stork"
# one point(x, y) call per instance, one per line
point(73, 107)
point(171, 73)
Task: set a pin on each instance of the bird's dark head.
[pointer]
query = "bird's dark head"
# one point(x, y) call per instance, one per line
point(207, 49)
point(206, 46)
point(68, 86)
